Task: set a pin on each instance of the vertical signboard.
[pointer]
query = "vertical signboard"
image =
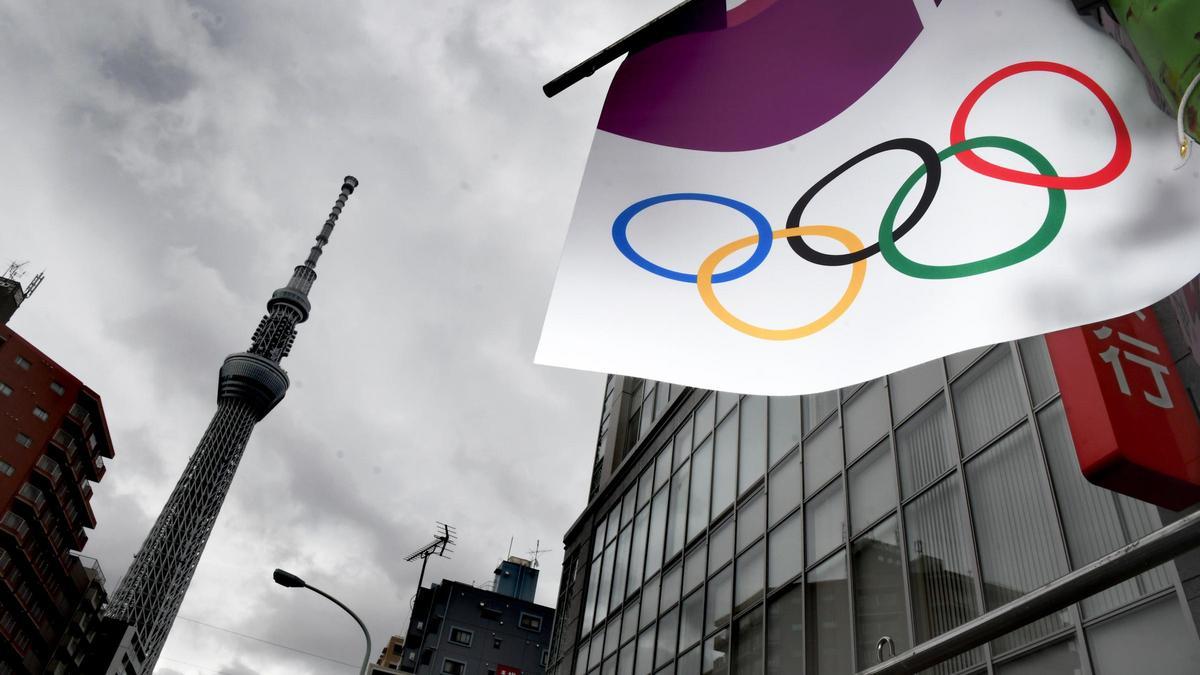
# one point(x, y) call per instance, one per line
point(1134, 428)
point(1186, 302)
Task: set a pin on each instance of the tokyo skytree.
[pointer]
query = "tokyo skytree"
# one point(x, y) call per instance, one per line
point(250, 384)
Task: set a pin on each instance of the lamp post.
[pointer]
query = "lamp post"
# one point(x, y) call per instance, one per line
point(289, 580)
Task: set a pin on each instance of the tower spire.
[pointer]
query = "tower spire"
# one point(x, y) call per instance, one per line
point(250, 385)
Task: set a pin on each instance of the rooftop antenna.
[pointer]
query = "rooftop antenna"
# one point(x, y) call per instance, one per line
point(536, 551)
point(442, 545)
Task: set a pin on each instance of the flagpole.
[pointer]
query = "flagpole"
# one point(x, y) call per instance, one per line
point(672, 22)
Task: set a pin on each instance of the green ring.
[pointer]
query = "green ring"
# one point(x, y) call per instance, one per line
point(1050, 228)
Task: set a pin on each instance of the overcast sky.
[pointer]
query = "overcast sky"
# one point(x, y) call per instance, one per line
point(168, 164)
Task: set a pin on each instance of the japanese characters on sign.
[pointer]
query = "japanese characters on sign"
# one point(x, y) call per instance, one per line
point(1134, 428)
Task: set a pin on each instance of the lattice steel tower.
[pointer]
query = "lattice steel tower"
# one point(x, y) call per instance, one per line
point(250, 385)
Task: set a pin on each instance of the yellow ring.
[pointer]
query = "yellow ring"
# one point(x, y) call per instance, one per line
point(857, 274)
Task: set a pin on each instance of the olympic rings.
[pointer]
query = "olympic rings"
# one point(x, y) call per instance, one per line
point(932, 169)
point(1122, 151)
point(1055, 215)
point(857, 274)
point(621, 238)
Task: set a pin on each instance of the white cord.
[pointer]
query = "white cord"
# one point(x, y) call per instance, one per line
point(1184, 141)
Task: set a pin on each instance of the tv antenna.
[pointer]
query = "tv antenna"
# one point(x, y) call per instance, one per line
point(442, 545)
point(16, 272)
point(533, 554)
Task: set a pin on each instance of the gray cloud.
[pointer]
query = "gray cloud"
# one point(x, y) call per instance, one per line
point(172, 164)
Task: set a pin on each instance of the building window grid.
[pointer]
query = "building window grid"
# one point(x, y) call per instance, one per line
point(1030, 409)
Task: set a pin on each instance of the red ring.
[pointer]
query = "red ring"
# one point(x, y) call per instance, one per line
point(1115, 167)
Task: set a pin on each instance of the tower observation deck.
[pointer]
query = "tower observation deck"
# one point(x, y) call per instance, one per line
point(250, 385)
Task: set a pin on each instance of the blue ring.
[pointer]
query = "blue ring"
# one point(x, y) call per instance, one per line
point(621, 238)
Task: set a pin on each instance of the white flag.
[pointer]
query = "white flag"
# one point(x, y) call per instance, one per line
point(820, 193)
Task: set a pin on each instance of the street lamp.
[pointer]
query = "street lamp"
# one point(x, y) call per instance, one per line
point(289, 580)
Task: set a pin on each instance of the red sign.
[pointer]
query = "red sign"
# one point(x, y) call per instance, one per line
point(1133, 424)
point(1187, 309)
point(507, 670)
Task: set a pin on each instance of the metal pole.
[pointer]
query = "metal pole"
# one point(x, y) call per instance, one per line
point(1126, 562)
point(670, 22)
point(363, 626)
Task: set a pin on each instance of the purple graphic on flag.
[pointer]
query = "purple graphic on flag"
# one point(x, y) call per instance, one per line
point(777, 72)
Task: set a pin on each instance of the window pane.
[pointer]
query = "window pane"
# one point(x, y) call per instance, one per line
point(620, 568)
point(955, 363)
point(629, 621)
point(627, 506)
point(658, 532)
point(719, 600)
point(716, 655)
point(878, 591)
point(650, 601)
point(1038, 368)
point(613, 516)
point(826, 519)
point(783, 431)
point(1097, 521)
point(748, 644)
point(662, 466)
point(724, 465)
point(720, 545)
point(785, 554)
point(816, 407)
point(865, 418)
point(941, 574)
point(925, 446)
point(822, 456)
point(645, 487)
point(589, 605)
point(752, 458)
point(783, 493)
point(671, 582)
point(689, 662)
point(625, 660)
point(606, 574)
point(645, 652)
point(612, 636)
point(987, 399)
point(913, 386)
point(691, 620)
point(683, 442)
point(1017, 538)
point(785, 632)
point(701, 481)
point(1157, 634)
point(872, 487)
point(694, 568)
point(704, 418)
point(597, 650)
point(725, 403)
point(662, 394)
point(827, 618)
point(1058, 658)
point(751, 520)
point(637, 556)
point(677, 512)
point(749, 584)
point(668, 626)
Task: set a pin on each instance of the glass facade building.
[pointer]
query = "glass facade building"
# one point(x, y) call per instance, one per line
point(747, 534)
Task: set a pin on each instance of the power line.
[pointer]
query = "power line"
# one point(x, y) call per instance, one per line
point(273, 644)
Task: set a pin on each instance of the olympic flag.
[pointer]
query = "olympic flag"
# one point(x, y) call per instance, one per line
point(823, 192)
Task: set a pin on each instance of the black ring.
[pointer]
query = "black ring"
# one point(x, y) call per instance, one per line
point(933, 176)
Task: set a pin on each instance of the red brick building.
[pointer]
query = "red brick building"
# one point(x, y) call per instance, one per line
point(53, 441)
